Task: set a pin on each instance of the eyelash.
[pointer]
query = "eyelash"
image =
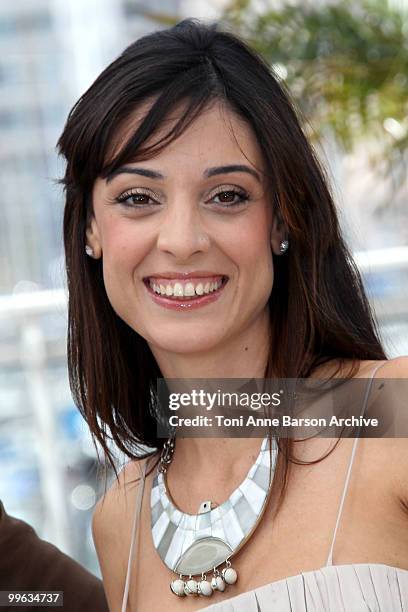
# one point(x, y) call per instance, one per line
point(122, 199)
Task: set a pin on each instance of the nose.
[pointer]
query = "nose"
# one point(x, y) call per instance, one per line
point(182, 233)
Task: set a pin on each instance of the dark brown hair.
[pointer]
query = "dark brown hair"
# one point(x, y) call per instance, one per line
point(318, 307)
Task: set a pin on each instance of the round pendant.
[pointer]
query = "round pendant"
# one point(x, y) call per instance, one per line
point(230, 575)
point(177, 587)
point(204, 588)
point(191, 587)
point(218, 584)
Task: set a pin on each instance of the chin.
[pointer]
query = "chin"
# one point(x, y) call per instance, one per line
point(176, 343)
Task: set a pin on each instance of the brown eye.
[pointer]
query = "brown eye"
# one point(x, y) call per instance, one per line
point(227, 196)
point(231, 197)
point(136, 199)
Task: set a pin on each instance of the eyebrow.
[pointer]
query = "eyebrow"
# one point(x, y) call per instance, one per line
point(209, 172)
point(129, 170)
point(231, 168)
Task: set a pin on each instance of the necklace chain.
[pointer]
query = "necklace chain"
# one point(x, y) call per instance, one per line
point(166, 455)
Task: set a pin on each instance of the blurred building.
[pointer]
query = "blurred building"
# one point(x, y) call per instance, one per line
point(31, 110)
point(50, 52)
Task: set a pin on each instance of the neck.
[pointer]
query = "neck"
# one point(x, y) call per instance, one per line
point(224, 460)
point(209, 469)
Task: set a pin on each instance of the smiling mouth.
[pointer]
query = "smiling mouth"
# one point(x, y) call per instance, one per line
point(185, 290)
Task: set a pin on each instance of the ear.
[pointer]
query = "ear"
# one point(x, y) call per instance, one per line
point(93, 238)
point(278, 233)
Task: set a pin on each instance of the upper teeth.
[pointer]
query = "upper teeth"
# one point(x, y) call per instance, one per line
point(189, 289)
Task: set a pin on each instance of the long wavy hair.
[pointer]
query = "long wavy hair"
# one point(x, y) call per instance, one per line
point(318, 307)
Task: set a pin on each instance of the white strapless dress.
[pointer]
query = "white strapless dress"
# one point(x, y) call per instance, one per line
point(359, 587)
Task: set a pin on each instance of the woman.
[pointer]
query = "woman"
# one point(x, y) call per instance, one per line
point(213, 250)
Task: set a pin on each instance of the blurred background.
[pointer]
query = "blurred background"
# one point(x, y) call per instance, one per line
point(346, 66)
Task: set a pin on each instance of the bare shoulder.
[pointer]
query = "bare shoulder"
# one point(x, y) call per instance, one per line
point(390, 368)
point(111, 530)
point(386, 457)
point(394, 368)
point(393, 451)
point(117, 496)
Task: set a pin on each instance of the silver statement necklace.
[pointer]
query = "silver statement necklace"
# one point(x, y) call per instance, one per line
point(193, 545)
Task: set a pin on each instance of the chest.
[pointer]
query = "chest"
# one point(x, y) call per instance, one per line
point(298, 537)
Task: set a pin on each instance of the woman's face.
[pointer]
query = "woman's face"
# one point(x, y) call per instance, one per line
point(199, 208)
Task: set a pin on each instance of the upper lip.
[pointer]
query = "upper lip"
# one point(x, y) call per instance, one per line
point(184, 275)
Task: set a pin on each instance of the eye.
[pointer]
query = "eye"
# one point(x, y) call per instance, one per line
point(230, 196)
point(136, 198)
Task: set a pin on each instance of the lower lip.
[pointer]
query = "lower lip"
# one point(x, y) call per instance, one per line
point(183, 304)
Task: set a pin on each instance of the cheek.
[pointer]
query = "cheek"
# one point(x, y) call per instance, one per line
point(123, 250)
point(252, 246)
point(124, 245)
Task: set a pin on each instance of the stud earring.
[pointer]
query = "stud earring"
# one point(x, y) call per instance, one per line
point(89, 251)
point(283, 247)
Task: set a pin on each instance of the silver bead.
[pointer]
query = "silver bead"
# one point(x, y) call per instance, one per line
point(204, 588)
point(89, 250)
point(177, 587)
point(191, 587)
point(218, 584)
point(229, 575)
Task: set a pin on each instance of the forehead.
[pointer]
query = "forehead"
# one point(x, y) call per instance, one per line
point(217, 133)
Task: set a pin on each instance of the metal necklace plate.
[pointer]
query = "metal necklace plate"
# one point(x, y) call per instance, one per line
point(193, 546)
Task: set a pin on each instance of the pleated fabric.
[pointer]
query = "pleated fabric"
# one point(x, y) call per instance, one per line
point(361, 587)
